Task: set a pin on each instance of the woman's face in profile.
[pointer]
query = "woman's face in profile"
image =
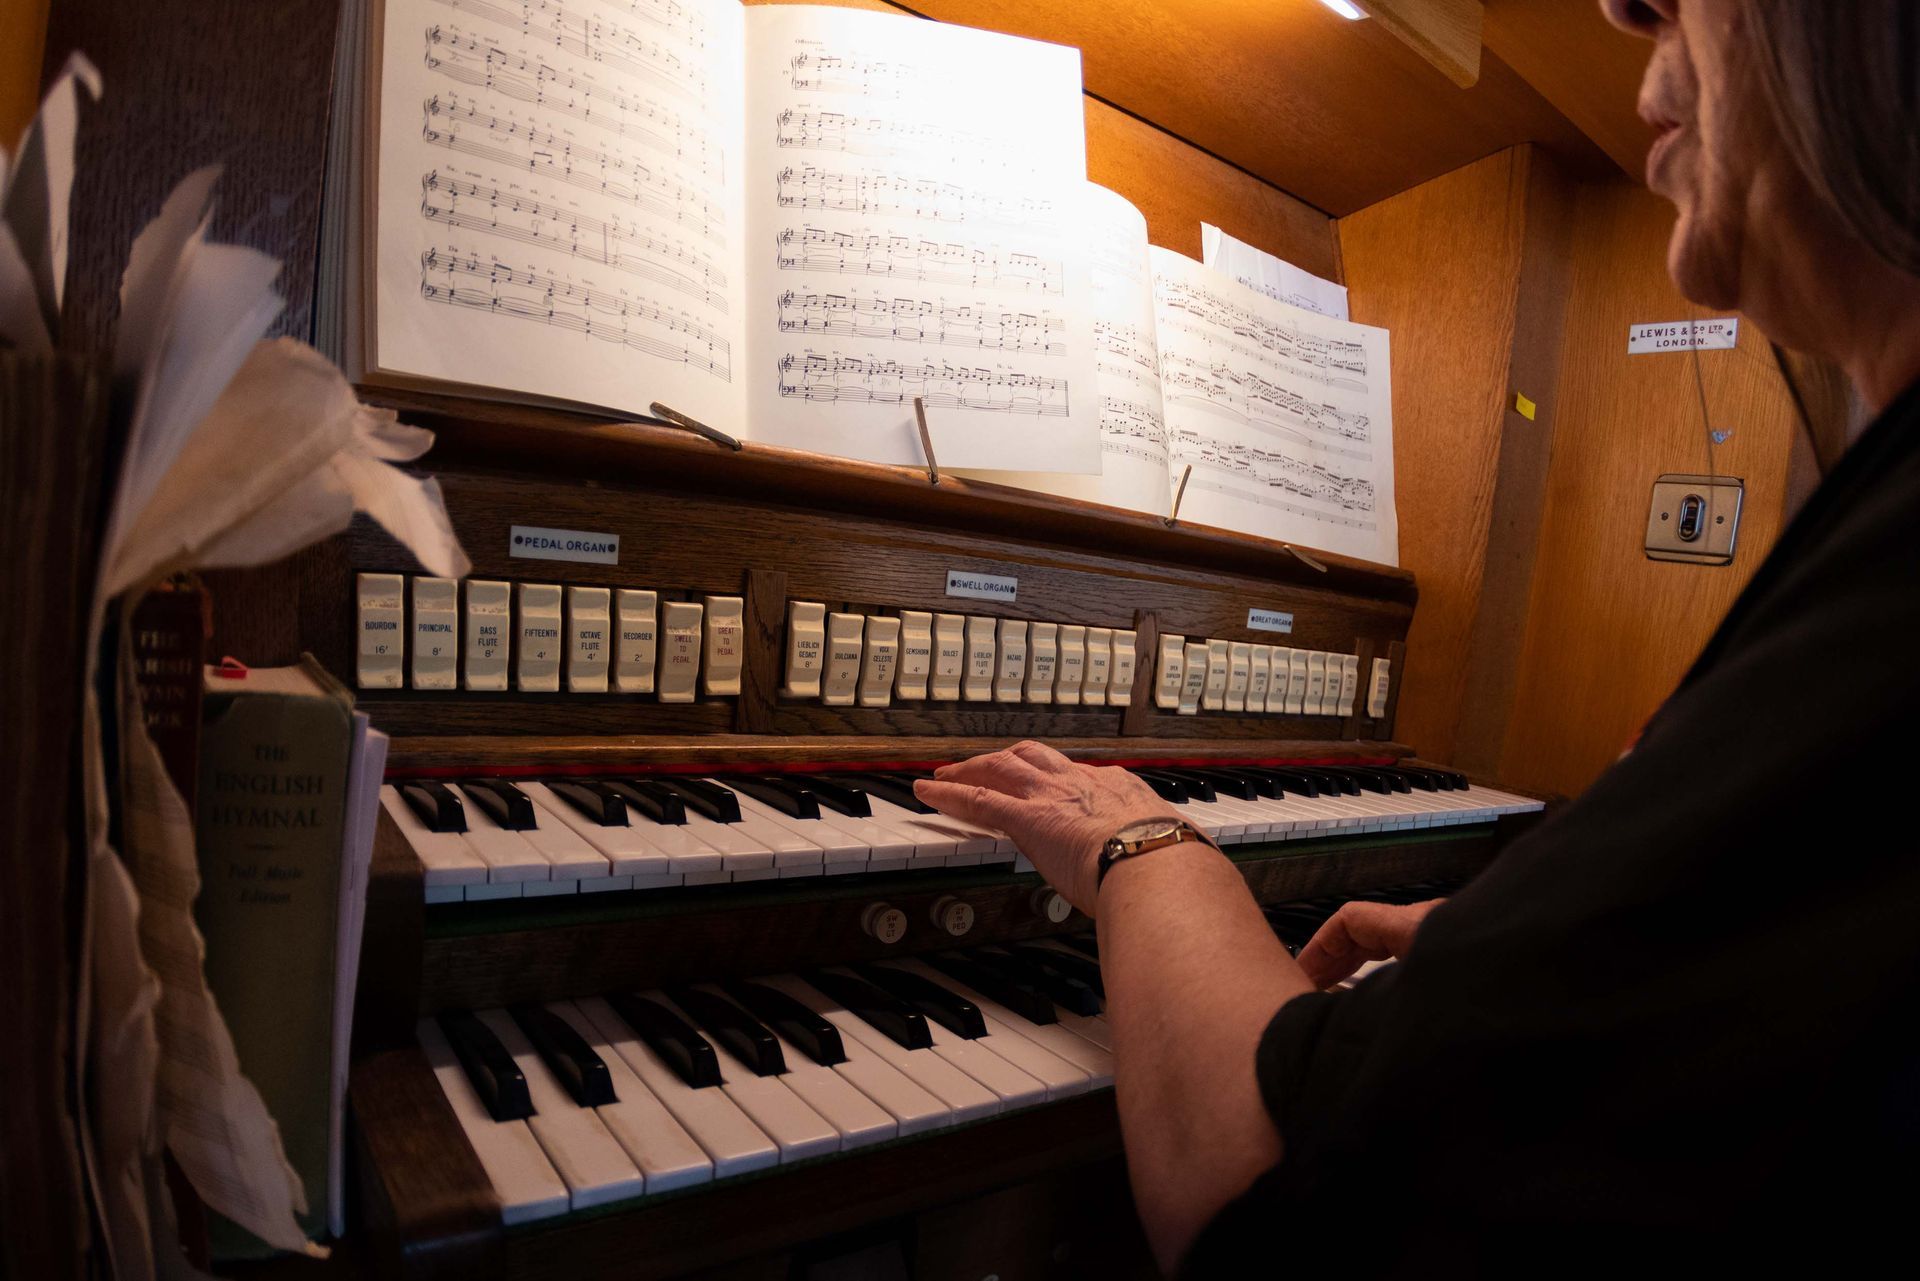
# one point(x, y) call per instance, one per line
point(1718, 155)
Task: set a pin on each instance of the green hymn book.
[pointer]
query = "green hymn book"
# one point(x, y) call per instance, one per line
point(271, 823)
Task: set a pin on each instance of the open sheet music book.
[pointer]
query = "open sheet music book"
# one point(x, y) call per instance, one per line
point(1286, 416)
point(786, 222)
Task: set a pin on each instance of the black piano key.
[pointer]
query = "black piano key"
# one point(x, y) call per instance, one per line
point(816, 1038)
point(1389, 778)
point(889, 790)
point(1071, 964)
point(567, 1055)
point(949, 1009)
point(1170, 790)
point(1222, 780)
point(436, 805)
point(1415, 777)
point(1199, 787)
point(744, 1037)
point(711, 799)
point(495, 1076)
point(504, 803)
point(1263, 782)
point(649, 798)
point(1332, 781)
point(1454, 777)
point(789, 799)
point(669, 1036)
point(599, 802)
point(840, 797)
point(1023, 999)
point(892, 1017)
point(1085, 944)
point(1059, 988)
point(1297, 781)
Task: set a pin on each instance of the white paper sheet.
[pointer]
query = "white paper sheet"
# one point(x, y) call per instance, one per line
point(1275, 277)
point(558, 201)
point(911, 188)
point(1133, 432)
point(39, 184)
point(365, 768)
point(1286, 416)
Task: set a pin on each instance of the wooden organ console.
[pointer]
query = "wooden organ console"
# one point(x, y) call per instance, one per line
point(605, 874)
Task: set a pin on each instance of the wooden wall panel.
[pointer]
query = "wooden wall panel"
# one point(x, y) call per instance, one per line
point(1442, 266)
point(1611, 632)
point(23, 35)
point(1581, 64)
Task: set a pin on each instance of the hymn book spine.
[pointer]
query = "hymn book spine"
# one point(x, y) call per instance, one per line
point(271, 830)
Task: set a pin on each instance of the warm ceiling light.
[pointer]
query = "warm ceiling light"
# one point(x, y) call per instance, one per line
point(1345, 8)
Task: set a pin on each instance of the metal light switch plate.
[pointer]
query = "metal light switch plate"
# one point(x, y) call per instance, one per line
point(1694, 518)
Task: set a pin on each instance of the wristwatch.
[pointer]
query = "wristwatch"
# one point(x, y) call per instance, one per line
point(1143, 836)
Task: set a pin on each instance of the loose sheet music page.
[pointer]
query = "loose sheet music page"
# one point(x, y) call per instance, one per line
point(558, 202)
point(911, 194)
point(1286, 415)
point(1133, 431)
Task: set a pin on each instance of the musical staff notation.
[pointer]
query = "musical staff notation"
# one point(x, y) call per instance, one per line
point(831, 73)
point(465, 60)
point(865, 380)
point(918, 259)
point(611, 44)
point(924, 198)
point(1257, 402)
point(490, 210)
point(1334, 361)
point(463, 127)
point(1126, 348)
point(921, 321)
point(872, 135)
point(603, 314)
point(1278, 475)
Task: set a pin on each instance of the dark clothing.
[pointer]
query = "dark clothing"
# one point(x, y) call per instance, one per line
point(1678, 1022)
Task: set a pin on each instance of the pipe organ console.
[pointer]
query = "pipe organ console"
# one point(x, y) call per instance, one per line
point(665, 966)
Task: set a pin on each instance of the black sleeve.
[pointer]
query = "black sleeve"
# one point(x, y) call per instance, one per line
point(1677, 1020)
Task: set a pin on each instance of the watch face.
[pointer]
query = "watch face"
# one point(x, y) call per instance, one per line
point(1148, 829)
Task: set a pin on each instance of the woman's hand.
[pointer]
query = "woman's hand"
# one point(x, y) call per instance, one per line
point(1358, 933)
point(1059, 813)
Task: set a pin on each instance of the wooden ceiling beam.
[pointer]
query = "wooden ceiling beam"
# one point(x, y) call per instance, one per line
point(1444, 32)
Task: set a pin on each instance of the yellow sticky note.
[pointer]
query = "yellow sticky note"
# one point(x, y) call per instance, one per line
point(1525, 406)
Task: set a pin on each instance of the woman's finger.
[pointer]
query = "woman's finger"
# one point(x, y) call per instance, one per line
point(1001, 771)
point(971, 803)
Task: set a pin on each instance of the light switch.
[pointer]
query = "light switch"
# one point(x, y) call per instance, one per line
point(978, 687)
point(1214, 692)
point(845, 636)
point(1093, 688)
point(1239, 674)
point(1012, 643)
point(637, 619)
point(882, 654)
point(949, 654)
point(485, 629)
point(1377, 689)
point(1073, 664)
point(1316, 683)
point(1170, 677)
point(1259, 668)
point(436, 633)
point(1278, 678)
point(679, 650)
point(537, 607)
point(726, 627)
point(806, 647)
point(915, 663)
point(1297, 683)
point(379, 615)
point(589, 624)
point(1120, 679)
point(1193, 677)
point(1349, 682)
point(1043, 661)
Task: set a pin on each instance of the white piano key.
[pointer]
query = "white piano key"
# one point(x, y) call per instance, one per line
point(834, 844)
point(492, 890)
point(785, 846)
point(626, 850)
point(446, 860)
point(785, 1118)
point(569, 855)
point(932, 843)
point(774, 873)
point(706, 878)
point(548, 889)
point(1097, 1063)
point(715, 1121)
point(516, 1165)
point(595, 1168)
point(666, 1155)
point(913, 1109)
point(507, 854)
point(859, 1119)
point(966, 1098)
point(980, 1058)
point(740, 850)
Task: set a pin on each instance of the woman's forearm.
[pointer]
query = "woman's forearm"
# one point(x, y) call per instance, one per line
point(1193, 974)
